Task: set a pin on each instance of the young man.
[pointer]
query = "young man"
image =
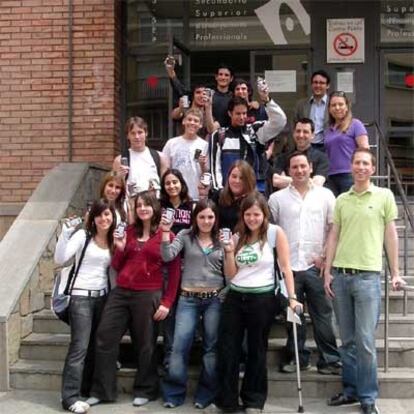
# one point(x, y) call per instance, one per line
point(145, 165)
point(181, 151)
point(305, 212)
point(245, 141)
point(303, 135)
point(316, 107)
point(201, 101)
point(364, 219)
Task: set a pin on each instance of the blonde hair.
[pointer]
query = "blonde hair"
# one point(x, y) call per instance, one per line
point(346, 122)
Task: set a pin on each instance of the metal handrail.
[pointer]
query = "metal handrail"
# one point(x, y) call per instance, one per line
point(381, 145)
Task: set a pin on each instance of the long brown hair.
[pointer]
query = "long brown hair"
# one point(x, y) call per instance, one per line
point(97, 208)
point(120, 201)
point(252, 199)
point(199, 207)
point(149, 199)
point(249, 180)
point(346, 122)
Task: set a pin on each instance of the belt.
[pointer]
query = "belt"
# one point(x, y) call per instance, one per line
point(349, 271)
point(200, 295)
point(89, 293)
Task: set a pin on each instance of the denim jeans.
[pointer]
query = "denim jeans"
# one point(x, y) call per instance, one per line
point(357, 305)
point(309, 288)
point(339, 183)
point(188, 314)
point(84, 315)
point(253, 312)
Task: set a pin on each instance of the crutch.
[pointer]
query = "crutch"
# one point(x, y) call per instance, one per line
point(293, 316)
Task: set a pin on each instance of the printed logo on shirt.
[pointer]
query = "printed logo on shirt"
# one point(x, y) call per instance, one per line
point(247, 256)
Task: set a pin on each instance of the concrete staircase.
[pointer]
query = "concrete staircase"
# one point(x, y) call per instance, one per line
point(42, 354)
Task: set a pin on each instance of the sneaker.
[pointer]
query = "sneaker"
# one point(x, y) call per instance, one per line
point(199, 406)
point(291, 367)
point(212, 409)
point(369, 409)
point(93, 401)
point(79, 407)
point(168, 404)
point(331, 369)
point(138, 401)
point(253, 410)
point(341, 399)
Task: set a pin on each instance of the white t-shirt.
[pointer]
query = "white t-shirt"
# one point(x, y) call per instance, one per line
point(142, 169)
point(180, 152)
point(92, 274)
point(255, 265)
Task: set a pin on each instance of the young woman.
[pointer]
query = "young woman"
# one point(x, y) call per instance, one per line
point(241, 182)
point(87, 298)
point(250, 304)
point(201, 281)
point(344, 135)
point(113, 189)
point(137, 303)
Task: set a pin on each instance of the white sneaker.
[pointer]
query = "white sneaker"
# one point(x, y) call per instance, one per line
point(138, 401)
point(79, 407)
point(93, 401)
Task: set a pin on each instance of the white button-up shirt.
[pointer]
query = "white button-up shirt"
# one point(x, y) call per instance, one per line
point(304, 220)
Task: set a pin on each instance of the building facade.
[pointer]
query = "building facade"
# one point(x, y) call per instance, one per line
point(72, 71)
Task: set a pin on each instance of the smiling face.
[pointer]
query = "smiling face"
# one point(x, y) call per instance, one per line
point(238, 116)
point(303, 136)
point(137, 138)
point(198, 97)
point(112, 190)
point(104, 221)
point(205, 220)
point(253, 218)
point(300, 170)
point(144, 211)
point(242, 90)
point(223, 79)
point(172, 185)
point(236, 184)
point(362, 167)
point(338, 107)
point(191, 124)
point(320, 86)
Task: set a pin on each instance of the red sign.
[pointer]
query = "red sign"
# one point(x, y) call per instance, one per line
point(409, 80)
point(345, 44)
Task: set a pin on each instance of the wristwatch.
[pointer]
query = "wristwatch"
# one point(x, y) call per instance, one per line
point(290, 297)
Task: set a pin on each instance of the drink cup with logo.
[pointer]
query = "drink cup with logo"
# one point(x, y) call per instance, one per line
point(206, 179)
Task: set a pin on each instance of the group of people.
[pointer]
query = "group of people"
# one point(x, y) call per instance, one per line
point(209, 221)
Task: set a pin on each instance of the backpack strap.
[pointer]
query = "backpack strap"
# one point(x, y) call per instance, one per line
point(75, 268)
point(157, 160)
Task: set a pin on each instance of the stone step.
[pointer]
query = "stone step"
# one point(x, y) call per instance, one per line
point(46, 375)
point(46, 322)
point(54, 347)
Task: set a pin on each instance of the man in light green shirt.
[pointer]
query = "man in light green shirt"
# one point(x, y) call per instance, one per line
point(363, 221)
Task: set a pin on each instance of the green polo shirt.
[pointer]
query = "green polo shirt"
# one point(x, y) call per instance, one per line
point(362, 218)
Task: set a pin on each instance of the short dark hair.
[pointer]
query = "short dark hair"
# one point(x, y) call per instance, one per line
point(323, 74)
point(195, 87)
point(223, 65)
point(298, 154)
point(240, 81)
point(365, 151)
point(237, 100)
point(305, 121)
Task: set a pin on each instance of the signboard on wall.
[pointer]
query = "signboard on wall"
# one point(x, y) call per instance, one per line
point(397, 21)
point(345, 40)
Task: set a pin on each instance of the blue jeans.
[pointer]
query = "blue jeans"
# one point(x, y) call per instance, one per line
point(357, 306)
point(84, 315)
point(339, 183)
point(174, 385)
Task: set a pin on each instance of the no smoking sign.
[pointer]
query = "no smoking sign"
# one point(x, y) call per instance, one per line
point(345, 41)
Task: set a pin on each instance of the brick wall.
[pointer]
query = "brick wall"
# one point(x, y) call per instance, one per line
point(34, 88)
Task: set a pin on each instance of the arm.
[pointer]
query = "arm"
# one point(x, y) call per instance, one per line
point(282, 248)
point(67, 246)
point(118, 168)
point(362, 141)
point(281, 180)
point(391, 247)
point(170, 249)
point(210, 123)
point(164, 164)
point(229, 263)
point(331, 243)
point(275, 123)
point(178, 112)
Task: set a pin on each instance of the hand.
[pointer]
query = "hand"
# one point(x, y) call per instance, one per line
point(207, 99)
point(319, 261)
point(181, 104)
point(203, 190)
point(397, 283)
point(161, 313)
point(328, 285)
point(294, 304)
point(120, 242)
point(264, 94)
point(165, 225)
point(123, 170)
point(202, 160)
point(228, 245)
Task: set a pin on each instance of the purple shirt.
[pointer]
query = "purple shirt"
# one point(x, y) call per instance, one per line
point(341, 145)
